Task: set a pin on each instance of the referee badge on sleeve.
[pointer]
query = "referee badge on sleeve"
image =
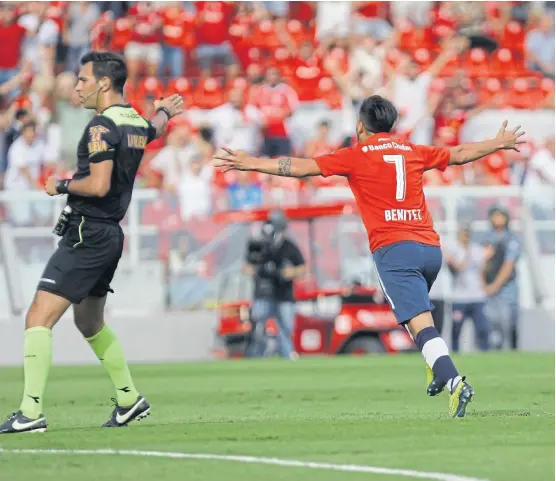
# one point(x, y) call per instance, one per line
point(96, 142)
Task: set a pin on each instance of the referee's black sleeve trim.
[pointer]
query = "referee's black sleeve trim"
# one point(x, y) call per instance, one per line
point(97, 157)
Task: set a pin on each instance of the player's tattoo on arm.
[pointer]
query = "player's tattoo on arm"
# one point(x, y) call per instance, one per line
point(285, 166)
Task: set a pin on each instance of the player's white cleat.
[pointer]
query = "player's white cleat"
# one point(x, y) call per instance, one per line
point(123, 415)
point(18, 423)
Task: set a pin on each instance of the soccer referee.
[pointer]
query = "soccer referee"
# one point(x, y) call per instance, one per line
point(81, 269)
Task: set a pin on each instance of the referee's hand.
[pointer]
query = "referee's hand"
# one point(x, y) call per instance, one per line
point(50, 186)
point(174, 104)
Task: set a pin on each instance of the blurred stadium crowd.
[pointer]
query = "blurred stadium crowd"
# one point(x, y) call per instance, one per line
point(246, 68)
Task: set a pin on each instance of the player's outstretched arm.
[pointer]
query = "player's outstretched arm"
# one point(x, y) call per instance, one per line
point(504, 140)
point(165, 110)
point(283, 166)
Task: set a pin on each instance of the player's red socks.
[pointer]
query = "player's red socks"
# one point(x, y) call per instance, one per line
point(437, 356)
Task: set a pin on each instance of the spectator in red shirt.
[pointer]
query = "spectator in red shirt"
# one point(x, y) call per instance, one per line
point(213, 23)
point(177, 21)
point(11, 38)
point(320, 144)
point(144, 46)
point(277, 101)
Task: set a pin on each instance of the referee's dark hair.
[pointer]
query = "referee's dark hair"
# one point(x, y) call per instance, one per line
point(107, 64)
point(377, 114)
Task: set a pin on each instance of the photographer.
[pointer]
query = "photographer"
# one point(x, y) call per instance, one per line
point(274, 261)
point(500, 276)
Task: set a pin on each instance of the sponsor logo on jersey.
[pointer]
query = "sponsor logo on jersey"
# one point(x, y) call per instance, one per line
point(136, 141)
point(388, 145)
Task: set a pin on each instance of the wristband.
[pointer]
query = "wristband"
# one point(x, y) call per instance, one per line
point(165, 110)
point(62, 186)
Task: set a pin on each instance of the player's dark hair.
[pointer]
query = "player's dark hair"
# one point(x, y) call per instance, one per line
point(377, 114)
point(107, 64)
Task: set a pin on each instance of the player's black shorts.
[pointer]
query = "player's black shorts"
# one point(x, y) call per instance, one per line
point(85, 261)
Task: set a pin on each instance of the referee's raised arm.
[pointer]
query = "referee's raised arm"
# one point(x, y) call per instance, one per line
point(165, 110)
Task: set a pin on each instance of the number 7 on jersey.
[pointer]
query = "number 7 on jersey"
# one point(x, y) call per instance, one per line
point(399, 162)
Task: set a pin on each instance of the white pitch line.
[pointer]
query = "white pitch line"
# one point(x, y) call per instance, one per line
point(253, 460)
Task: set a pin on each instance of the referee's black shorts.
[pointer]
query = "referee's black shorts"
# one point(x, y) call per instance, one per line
point(85, 261)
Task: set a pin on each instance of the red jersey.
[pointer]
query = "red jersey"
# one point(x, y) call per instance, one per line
point(276, 104)
point(214, 19)
point(447, 128)
point(11, 38)
point(385, 175)
point(145, 29)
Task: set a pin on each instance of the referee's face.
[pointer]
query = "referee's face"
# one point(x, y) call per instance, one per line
point(87, 87)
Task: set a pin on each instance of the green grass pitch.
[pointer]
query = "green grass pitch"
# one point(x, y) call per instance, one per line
point(361, 410)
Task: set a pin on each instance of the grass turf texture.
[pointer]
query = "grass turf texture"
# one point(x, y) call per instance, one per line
point(359, 410)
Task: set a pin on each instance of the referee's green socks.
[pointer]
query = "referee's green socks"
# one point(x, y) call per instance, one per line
point(37, 359)
point(109, 351)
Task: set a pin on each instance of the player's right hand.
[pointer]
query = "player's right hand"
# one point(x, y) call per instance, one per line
point(509, 139)
point(174, 104)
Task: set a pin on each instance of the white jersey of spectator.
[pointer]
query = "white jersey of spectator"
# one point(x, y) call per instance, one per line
point(467, 283)
point(333, 19)
point(82, 19)
point(540, 170)
point(195, 191)
point(237, 128)
point(369, 63)
point(418, 13)
point(46, 36)
point(411, 100)
point(171, 162)
point(20, 156)
point(540, 43)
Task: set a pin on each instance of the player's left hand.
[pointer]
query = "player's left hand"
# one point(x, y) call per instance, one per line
point(50, 186)
point(509, 139)
point(232, 160)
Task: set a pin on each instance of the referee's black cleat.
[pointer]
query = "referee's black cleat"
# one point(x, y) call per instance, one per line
point(434, 385)
point(18, 423)
point(123, 415)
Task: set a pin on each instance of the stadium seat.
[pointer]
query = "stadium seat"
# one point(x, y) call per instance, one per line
point(520, 95)
point(513, 36)
point(504, 64)
point(182, 86)
point(476, 63)
point(329, 93)
point(150, 86)
point(489, 89)
point(209, 94)
point(264, 36)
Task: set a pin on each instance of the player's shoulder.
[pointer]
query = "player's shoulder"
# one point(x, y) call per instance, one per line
point(124, 115)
